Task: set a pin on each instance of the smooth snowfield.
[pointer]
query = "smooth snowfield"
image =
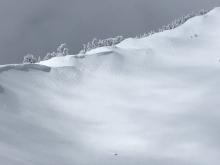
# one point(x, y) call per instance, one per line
point(150, 101)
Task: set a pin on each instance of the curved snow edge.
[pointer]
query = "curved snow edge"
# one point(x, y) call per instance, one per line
point(24, 67)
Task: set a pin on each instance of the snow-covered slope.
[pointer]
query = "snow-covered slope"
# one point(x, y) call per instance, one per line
point(151, 101)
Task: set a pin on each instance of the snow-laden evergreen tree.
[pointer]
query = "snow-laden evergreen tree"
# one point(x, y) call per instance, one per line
point(62, 50)
point(119, 39)
point(84, 50)
point(49, 56)
point(29, 59)
point(101, 43)
point(39, 59)
point(94, 43)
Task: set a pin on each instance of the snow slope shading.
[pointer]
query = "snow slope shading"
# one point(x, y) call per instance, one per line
point(148, 101)
point(1, 89)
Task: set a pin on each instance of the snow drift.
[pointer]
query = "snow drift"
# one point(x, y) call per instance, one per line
point(150, 101)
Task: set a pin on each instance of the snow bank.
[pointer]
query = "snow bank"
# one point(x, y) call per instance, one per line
point(147, 101)
point(24, 67)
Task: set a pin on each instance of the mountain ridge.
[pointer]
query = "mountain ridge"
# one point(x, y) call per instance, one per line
point(146, 101)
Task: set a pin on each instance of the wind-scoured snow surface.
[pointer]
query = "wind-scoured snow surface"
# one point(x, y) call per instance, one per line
point(149, 101)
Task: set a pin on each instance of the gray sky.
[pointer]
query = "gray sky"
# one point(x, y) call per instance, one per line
point(39, 26)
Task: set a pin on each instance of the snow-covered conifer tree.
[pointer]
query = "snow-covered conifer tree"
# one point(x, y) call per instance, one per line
point(62, 50)
point(39, 59)
point(29, 59)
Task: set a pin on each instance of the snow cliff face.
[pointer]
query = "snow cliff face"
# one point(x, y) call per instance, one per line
point(147, 101)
